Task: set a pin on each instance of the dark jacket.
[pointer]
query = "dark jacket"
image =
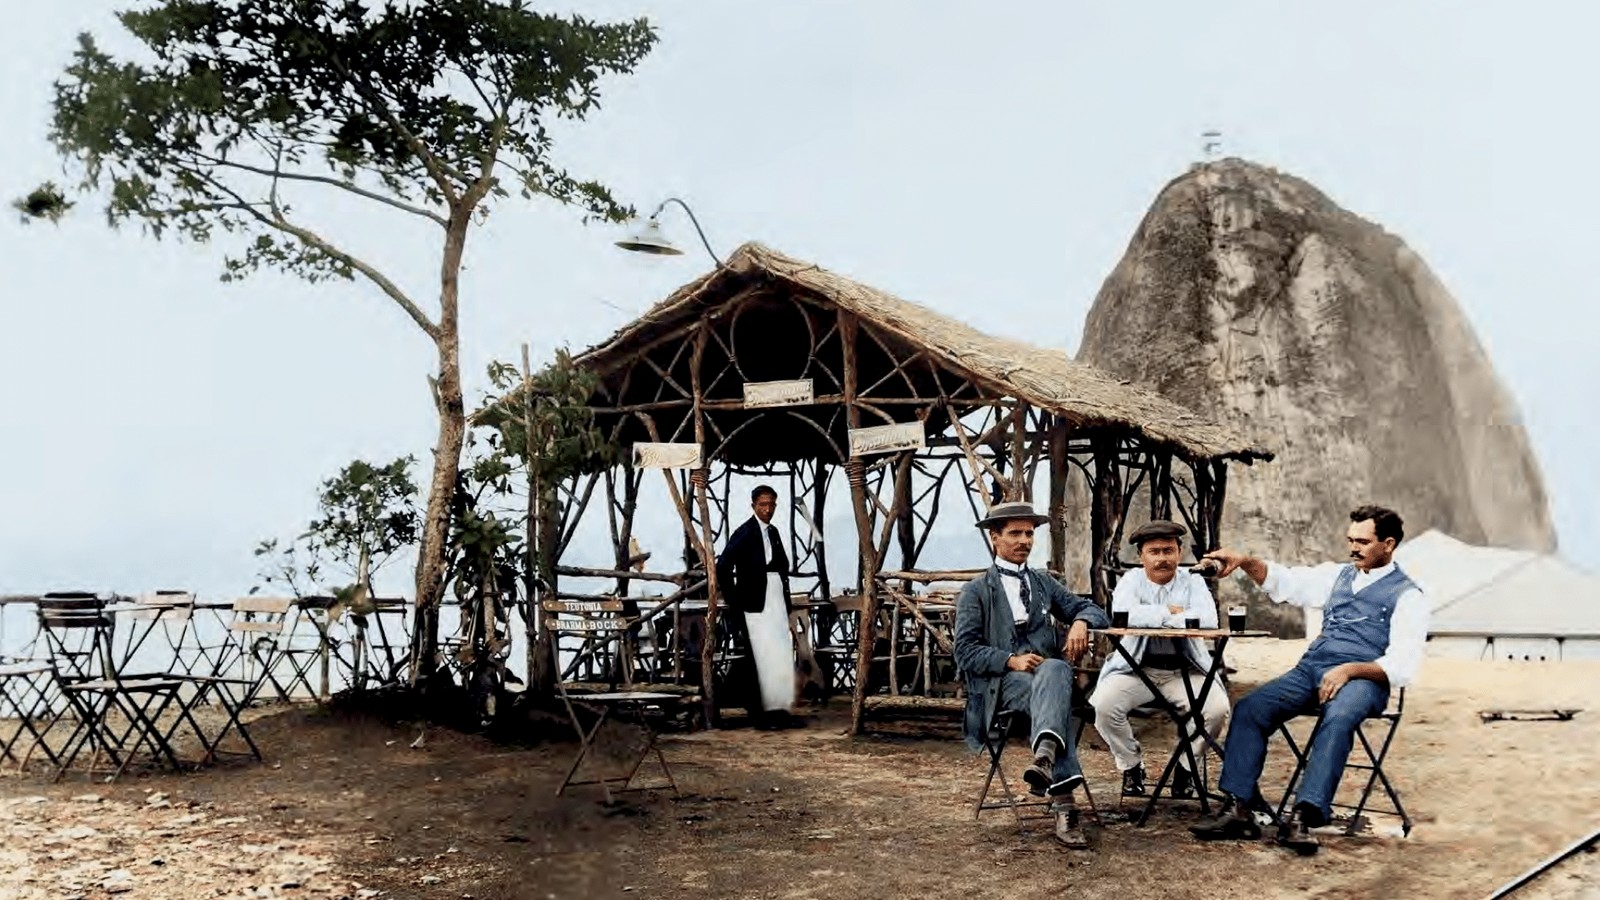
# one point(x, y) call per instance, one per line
point(986, 636)
point(742, 568)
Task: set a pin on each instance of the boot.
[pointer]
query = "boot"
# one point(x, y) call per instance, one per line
point(1233, 822)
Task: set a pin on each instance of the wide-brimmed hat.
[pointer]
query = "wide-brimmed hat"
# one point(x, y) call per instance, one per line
point(1159, 528)
point(1005, 512)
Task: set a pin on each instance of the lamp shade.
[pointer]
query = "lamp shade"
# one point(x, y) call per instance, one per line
point(649, 239)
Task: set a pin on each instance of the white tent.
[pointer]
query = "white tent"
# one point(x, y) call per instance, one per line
point(1493, 603)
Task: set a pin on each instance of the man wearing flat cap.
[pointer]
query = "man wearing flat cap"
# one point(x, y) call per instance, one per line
point(1158, 594)
point(1011, 655)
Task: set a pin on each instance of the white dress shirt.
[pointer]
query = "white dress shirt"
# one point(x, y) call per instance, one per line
point(1146, 604)
point(1013, 586)
point(1312, 586)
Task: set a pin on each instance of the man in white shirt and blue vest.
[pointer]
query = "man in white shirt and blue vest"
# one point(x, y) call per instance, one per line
point(1374, 626)
point(1158, 594)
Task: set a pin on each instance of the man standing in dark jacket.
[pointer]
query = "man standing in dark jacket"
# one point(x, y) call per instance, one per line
point(753, 572)
point(1011, 655)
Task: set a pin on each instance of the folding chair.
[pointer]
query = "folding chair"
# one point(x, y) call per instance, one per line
point(177, 608)
point(1005, 723)
point(78, 632)
point(838, 655)
point(1373, 766)
point(639, 705)
point(26, 690)
point(262, 638)
point(600, 622)
point(380, 652)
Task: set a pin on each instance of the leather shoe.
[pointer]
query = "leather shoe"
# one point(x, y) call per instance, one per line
point(1232, 822)
point(1182, 783)
point(1068, 830)
point(1133, 782)
point(1296, 833)
point(1039, 775)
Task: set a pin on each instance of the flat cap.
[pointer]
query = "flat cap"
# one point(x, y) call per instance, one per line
point(1160, 528)
point(1005, 512)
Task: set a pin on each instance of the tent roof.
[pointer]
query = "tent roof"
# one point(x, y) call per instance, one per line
point(1496, 591)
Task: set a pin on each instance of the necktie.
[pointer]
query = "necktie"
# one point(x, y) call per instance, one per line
point(1022, 579)
point(779, 561)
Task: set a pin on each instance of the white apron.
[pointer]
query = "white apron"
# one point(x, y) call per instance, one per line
point(771, 643)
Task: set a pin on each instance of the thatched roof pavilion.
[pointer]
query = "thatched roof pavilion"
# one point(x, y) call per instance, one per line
point(767, 336)
point(772, 364)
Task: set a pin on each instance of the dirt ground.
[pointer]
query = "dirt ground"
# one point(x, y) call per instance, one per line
point(346, 807)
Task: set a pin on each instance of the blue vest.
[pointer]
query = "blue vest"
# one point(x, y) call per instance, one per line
point(1355, 627)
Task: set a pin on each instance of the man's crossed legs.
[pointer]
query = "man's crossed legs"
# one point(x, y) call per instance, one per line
point(1045, 694)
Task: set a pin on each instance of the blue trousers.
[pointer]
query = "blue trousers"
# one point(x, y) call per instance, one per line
point(1045, 694)
point(1292, 694)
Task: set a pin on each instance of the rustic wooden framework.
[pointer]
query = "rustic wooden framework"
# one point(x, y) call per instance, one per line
point(683, 382)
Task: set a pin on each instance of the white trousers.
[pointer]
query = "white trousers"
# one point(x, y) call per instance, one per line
point(1119, 692)
point(772, 645)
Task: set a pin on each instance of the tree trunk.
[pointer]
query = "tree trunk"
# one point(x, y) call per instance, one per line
point(543, 669)
point(448, 402)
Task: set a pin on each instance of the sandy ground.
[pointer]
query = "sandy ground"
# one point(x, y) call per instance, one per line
point(346, 808)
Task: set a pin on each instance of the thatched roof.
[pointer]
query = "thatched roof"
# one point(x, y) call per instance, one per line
point(1047, 379)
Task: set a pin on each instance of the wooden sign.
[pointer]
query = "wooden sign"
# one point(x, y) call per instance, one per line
point(763, 394)
point(581, 606)
point(606, 624)
point(666, 456)
point(887, 438)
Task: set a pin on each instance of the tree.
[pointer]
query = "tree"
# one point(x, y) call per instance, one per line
point(547, 425)
point(365, 515)
point(423, 109)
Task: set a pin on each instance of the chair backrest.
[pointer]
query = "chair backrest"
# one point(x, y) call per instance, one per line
point(598, 623)
point(261, 615)
point(77, 632)
point(166, 605)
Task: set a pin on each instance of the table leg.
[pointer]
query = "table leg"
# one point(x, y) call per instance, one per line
point(586, 740)
point(1183, 748)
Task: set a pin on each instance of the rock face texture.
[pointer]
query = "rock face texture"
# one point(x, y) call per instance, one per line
point(1249, 295)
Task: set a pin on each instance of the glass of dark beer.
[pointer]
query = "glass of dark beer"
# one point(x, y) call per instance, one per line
point(1236, 618)
point(1119, 618)
point(1191, 622)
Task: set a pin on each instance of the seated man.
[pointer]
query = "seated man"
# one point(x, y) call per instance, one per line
point(1158, 595)
point(1374, 625)
point(1010, 654)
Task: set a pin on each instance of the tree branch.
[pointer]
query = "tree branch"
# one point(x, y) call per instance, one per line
point(311, 239)
point(278, 172)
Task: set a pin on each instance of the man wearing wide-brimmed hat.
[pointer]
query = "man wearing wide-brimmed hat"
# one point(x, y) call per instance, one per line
point(1158, 594)
point(1011, 655)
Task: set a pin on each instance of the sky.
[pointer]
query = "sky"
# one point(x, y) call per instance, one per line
point(156, 424)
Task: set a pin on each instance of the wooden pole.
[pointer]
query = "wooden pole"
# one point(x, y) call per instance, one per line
point(530, 575)
point(1107, 514)
point(855, 469)
point(702, 485)
point(905, 515)
point(1021, 488)
point(708, 561)
point(1058, 495)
